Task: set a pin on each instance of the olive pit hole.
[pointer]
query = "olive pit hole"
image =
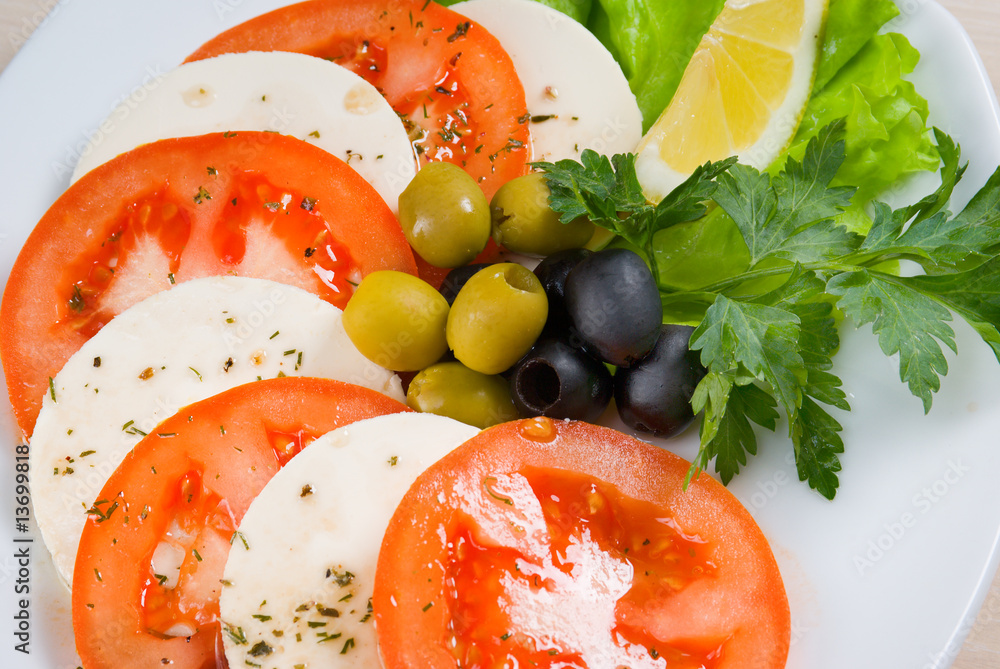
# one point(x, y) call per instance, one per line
point(521, 278)
point(538, 385)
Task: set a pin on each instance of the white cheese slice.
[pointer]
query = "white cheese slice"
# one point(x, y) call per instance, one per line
point(577, 96)
point(299, 588)
point(289, 93)
point(174, 348)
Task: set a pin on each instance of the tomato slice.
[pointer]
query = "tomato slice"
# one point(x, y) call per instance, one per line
point(255, 204)
point(558, 544)
point(147, 578)
point(450, 81)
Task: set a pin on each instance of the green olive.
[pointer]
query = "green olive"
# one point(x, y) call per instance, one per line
point(397, 320)
point(451, 389)
point(496, 317)
point(445, 215)
point(523, 221)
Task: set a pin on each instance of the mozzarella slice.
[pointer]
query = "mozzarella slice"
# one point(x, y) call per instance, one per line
point(577, 96)
point(299, 580)
point(290, 93)
point(170, 350)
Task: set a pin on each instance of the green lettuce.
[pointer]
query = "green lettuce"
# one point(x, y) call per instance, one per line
point(887, 135)
point(849, 26)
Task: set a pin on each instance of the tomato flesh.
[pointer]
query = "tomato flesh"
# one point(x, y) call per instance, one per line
point(283, 215)
point(179, 604)
point(147, 577)
point(567, 545)
point(287, 445)
point(631, 550)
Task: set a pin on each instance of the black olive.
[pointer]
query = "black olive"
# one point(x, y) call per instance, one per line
point(456, 278)
point(552, 272)
point(654, 395)
point(556, 380)
point(614, 305)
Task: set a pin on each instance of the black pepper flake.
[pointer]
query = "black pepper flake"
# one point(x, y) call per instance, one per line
point(461, 30)
point(227, 365)
point(454, 59)
point(310, 251)
point(308, 203)
point(97, 361)
point(442, 90)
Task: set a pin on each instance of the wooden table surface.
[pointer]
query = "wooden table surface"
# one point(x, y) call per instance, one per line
point(981, 18)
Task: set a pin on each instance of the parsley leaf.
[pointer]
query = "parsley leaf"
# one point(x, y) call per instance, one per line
point(907, 323)
point(595, 187)
point(817, 443)
point(608, 193)
point(728, 436)
point(790, 216)
point(762, 340)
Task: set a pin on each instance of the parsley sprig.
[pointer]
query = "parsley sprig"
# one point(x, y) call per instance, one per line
point(767, 335)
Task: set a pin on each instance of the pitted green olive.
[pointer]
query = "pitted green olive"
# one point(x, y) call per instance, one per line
point(451, 389)
point(397, 320)
point(524, 222)
point(445, 215)
point(496, 317)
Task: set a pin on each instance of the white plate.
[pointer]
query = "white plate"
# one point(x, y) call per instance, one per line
point(891, 574)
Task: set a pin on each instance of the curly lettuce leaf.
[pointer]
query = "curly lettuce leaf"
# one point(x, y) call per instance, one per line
point(887, 135)
point(849, 26)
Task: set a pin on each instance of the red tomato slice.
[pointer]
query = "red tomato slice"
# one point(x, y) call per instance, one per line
point(183, 491)
point(450, 81)
point(555, 544)
point(250, 203)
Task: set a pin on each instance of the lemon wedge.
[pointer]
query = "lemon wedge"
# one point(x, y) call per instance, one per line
point(742, 93)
